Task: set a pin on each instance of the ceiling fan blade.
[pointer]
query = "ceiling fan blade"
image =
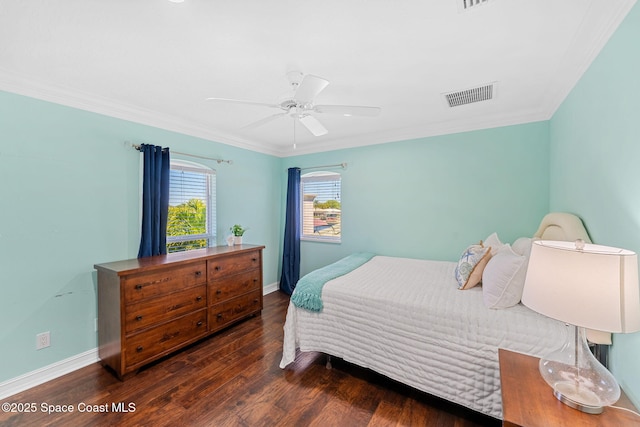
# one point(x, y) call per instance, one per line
point(347, 110)
point(309, 88)
point(240, 101)
point(263, 121)
point(313, 125)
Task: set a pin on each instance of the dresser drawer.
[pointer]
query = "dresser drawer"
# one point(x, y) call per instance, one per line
point(159, 309)
point(233, 286)
point(162, 339)
point(164, 281)
point(224, 266)
point(223, 314)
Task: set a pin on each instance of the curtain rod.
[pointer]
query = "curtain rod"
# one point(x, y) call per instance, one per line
point(137, 147)
point(340, 165)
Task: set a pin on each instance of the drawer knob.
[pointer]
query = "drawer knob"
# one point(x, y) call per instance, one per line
point(138, 287)
point(219, 315)
point(217, 268)
point(255, 301)
point(139, 348)
point(138, 318)
point(218, 291)
point(199, 323)
point(198, 298)
point(254, 259)
point(198, 273)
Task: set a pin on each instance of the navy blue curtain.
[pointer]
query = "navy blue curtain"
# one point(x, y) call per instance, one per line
point(155, 200)
point(291, 247)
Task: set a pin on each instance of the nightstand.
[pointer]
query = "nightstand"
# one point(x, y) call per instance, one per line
point(527, 400)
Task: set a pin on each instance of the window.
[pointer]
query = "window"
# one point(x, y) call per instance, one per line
point(192, 207)
point(321, 206)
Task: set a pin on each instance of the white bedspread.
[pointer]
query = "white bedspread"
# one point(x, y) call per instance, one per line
point(406, 319)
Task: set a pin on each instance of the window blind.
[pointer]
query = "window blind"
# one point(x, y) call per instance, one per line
point(321, 206)
point(192, 209)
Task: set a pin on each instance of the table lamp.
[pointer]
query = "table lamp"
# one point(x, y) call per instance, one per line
point(586, 286)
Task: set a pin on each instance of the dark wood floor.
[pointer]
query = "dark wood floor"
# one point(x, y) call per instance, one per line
point(233, 379)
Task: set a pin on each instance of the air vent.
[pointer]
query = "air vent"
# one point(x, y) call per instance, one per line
point(467, 4)
point(468, 96)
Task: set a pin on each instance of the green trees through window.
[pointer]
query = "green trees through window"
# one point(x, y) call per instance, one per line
point(192, 217)
point(189, 218)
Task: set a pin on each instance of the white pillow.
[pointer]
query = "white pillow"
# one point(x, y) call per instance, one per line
point(503, 279)
point(494, 242)
point(522, 246)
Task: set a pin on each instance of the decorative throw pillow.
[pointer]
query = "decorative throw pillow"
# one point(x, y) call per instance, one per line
point(503, 279)
point(470, 266)
point(494, 242)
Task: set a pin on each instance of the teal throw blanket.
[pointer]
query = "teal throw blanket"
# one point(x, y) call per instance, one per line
point(308, 291)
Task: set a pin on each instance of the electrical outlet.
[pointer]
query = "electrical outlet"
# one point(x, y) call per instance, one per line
point(43, 340)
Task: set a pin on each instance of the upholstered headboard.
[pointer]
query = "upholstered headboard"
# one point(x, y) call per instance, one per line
point(562, 226)
point(568, 227)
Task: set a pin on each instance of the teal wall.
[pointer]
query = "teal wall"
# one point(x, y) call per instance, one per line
point(432, 197)
point(69, 198)
point(595, 158)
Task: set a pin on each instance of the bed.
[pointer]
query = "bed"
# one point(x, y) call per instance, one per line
point(412, 321)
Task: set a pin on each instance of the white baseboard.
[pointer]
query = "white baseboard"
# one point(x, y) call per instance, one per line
point(270, 288)
point(47, 373)
point(58, 369)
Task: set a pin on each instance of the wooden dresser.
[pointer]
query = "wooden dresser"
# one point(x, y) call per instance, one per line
point(150, 307)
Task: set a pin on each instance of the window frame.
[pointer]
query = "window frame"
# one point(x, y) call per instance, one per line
point(210, 203)
point(319, 176)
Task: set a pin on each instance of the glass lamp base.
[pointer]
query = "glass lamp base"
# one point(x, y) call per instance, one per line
point(577, 378)
point(582, 400)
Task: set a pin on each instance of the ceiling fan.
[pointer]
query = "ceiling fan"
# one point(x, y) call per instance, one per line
point(299, 104)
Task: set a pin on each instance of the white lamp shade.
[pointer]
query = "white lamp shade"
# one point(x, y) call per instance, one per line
point(595, 287)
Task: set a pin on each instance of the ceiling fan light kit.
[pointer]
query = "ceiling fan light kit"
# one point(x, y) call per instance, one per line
point(300, 104)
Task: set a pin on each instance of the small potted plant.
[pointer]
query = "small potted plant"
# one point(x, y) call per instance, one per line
point(237, 230)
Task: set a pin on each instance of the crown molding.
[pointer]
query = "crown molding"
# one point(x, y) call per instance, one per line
point(431, 130)
point(569, 73)
point(20, 85)
point(575, 66)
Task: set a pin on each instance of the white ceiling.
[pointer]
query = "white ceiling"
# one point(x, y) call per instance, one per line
point(155, 62)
